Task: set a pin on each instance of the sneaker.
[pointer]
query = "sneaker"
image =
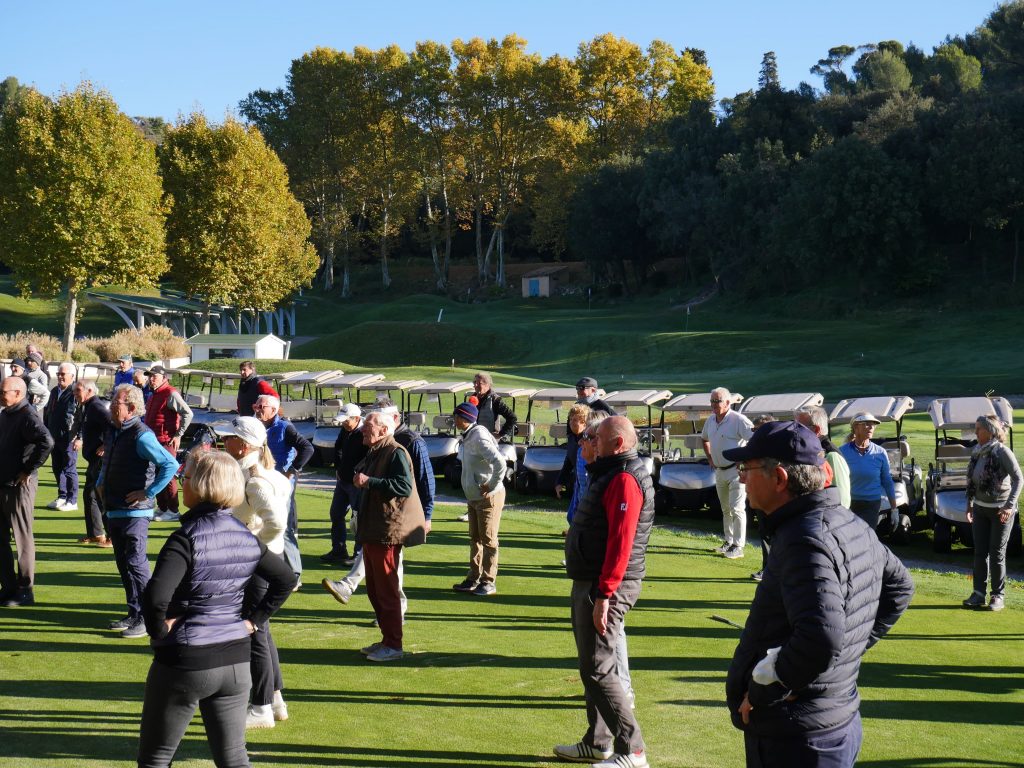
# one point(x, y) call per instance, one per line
point(466, 585)
point(279, 708)
point(370, 648)
point(723, 548)
point(120, 624)
point(995, 603)
point(298, 586)
point(757, 576)
point(463, 518)
point(975, 601)
point(25, 597)
point(259, 716)
point(55, 504)
point(485, 589)
point(339, 590)
point(136, 628)
point(632, 760)
point(166, 517)
point(67, 506)
point(733, 553)
point(385, 653)
point(581, 752)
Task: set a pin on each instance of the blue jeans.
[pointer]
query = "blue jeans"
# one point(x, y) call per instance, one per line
point(990, 539)
point(292, 556)
point(64, 462)
point(129, 536)
point(341, 502)
point(834, 748)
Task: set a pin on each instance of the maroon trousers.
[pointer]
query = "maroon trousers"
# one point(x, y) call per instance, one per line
point(167, 499)
point(381, 561)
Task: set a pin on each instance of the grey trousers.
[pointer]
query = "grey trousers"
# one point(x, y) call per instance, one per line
point(609, 717)
point(17, 514)
point(990, 540)
point(172, 695)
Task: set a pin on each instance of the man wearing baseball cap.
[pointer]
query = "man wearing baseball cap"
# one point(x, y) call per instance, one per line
point(483, 475)
point(830, 591)
point(348, 451)
point(168, 415)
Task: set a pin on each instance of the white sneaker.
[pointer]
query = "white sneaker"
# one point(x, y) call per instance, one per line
point(371, 648)
point(166, 517)
point(632, 760)
point(463, 518)
point(385, 653)
point(279, 708)
point(339, 590)
point(55, 504)
point(734, 552)
point(67, 506)
point(581, 753)
point(723, 548)
point(260, 716)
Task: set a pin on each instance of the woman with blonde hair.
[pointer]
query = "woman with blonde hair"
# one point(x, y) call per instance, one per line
point(195, 613)
point(993, 487)
point(264, 511)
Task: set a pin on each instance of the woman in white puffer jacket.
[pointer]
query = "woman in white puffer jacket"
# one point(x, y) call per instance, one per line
point(265, 513)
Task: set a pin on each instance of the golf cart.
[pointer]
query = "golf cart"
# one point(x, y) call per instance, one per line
point(541, 464)
point(649, 436)
point(906, 477)
point(384, 387)
point(327, 404)
point(441, 436)
point(945, 493)
point(685, 479)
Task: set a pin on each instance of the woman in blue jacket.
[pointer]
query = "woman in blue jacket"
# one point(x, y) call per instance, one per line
point(870, 473)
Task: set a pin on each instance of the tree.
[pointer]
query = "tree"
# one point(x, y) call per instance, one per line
point(79, 198)
point(999, 45)
point(837, 82)
point(10, 91)
point(883, 70)
point(768, 79)
point(693, 82)
point(236, 234)
point(953, 71)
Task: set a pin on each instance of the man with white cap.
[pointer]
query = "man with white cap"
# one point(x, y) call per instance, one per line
point(265, 513)
point(348, 451)
point(870, 473)
point(725, 429)
point(483, 473)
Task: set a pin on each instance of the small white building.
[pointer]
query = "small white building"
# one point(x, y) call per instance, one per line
point(541, 282)
point(244, 346)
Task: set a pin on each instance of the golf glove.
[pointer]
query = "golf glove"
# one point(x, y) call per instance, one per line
point(764, 672)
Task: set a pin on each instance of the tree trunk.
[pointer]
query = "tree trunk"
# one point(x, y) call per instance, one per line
point(432, 232)
point(487, 254)
point(328, 259)
point(481, 273)
point(70, 318)
point(384, 274)
point(446, 265)
point(1016, 253)
point(499, 277)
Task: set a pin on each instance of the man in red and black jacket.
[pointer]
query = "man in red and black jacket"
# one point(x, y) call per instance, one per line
point(605, 553)
point(250, 388)
point(168, 415)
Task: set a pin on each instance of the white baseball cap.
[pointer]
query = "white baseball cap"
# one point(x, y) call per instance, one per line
point(250, 429)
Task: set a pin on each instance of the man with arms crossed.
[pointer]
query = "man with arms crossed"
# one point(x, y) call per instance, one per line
point(724, 429)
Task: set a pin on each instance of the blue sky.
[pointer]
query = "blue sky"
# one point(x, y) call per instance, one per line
point(172, 57)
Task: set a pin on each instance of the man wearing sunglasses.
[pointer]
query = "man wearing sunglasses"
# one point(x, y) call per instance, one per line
point(830, 591)
point(725, 429)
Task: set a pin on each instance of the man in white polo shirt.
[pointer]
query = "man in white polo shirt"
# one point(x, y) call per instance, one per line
point(725, 429)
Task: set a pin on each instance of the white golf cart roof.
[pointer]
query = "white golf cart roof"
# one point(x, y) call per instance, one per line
point(286, 376)
point(629, 397)
point(313, 377)
point(883, 408)
point(386, 385)
point(208, 375)
point(350, 380)
point(696, 405)
point(554, 396)
point(962, 412)
point(513, 391)
point(780, 405)
point(442, 388)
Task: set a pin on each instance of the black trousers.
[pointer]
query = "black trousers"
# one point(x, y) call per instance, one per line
point(264, 664)
point(91, 502)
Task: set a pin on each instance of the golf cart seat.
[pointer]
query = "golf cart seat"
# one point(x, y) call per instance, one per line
point(298, 410)
point(416, 420)
point(222, 401)
point(900, 446)
point(693, 442)
point(196, 400)
point(952, 452)
point(444, 423)
point(558, 432)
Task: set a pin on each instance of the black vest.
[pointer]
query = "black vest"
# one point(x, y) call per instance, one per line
point(123, 469)
point(587, 541)
point(248, 394)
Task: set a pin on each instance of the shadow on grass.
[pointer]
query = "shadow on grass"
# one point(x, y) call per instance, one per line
point(293, 754)
point(938, 762)
point(439, 699)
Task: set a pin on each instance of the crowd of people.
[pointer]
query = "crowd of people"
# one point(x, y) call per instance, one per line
point(828, 589)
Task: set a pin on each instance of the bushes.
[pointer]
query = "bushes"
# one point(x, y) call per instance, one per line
point(156, 342)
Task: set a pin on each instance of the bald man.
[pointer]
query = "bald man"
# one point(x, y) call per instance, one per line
point(605, 552)
point(24, 446)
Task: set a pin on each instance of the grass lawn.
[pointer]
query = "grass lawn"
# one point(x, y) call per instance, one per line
point(493, 682)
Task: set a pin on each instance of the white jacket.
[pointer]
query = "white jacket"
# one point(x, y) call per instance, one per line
point(268, 496)
point(482, 462)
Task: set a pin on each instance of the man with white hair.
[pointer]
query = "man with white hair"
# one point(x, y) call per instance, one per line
point(291, 452)
point(92, 422)
point(59, 416)
point(390, 518)
point(815, 419)
point(723, 430)
point(24, 446)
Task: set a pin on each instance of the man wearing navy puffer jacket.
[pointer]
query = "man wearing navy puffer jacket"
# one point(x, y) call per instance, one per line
point(830, 591)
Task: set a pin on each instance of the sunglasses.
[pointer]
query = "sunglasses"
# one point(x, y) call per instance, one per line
point(716, 400)
point(586, 437)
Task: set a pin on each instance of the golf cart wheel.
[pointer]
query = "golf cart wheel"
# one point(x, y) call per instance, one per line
point(902, 533)
point(662, 501)
point(942, 541)
point(526, 482)
point(711, 501)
